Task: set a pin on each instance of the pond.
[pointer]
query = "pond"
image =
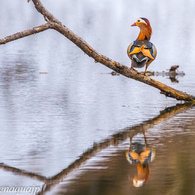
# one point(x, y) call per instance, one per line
point(66, 122)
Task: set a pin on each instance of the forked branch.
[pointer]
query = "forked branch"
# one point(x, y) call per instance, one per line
point(54, 23)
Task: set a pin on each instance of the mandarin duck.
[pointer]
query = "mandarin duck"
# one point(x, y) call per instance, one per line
point(142, 52)
point(141, 155)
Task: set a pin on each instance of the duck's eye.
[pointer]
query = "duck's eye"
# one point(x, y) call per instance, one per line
point(138, 20)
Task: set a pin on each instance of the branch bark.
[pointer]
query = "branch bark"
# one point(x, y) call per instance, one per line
point(25, 33)
point(54, 23)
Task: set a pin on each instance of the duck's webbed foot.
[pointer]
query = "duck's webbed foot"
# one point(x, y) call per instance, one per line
point(144, 73)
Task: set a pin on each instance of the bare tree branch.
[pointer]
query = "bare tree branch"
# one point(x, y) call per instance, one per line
point(47, 15)
point(54, 23)
point(115, 140)
point(116, 66)
point(25, 33)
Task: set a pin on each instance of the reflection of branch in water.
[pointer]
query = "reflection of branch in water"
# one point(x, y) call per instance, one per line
point(23, 173)
point(113, 140)
point(172, 74)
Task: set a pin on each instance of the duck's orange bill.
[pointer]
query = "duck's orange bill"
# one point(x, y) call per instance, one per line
point(134, 24)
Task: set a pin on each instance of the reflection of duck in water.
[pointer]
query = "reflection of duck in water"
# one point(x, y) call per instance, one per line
point(140, 155)
point(143, 172)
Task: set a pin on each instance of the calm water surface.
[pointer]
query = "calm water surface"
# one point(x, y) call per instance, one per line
point(48, 121)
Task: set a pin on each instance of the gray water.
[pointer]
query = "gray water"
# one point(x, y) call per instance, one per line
point(48, 120)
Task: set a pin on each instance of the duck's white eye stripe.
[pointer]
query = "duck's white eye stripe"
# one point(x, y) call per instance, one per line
point(141, 20)
point(144, 22)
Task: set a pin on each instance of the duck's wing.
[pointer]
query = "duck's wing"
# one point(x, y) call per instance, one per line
point(147, 48)
point(153, 52)
point(130, 49)
point(147, 156)
point(132, 157)
point(141, 53)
